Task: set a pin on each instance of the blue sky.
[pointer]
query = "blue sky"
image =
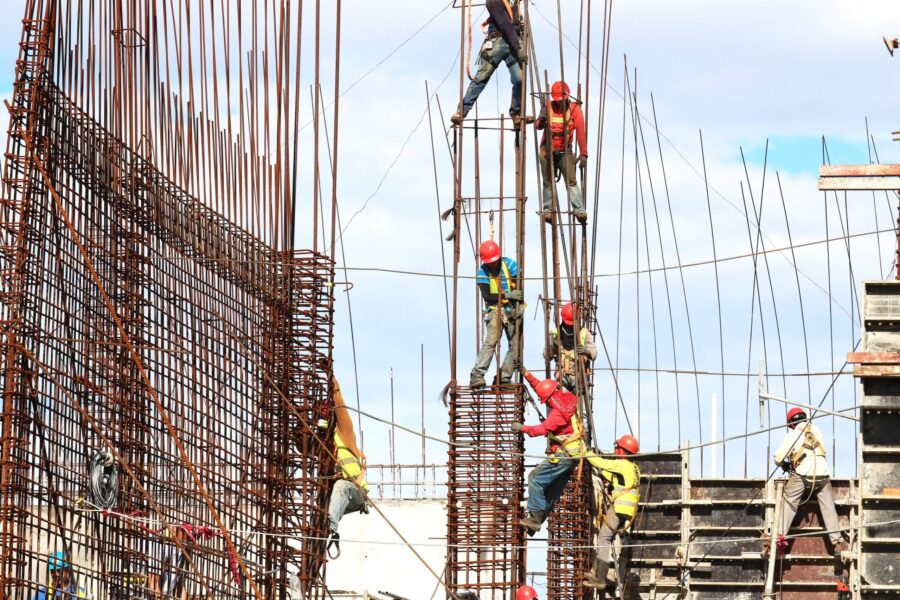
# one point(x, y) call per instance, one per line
point(743, 73)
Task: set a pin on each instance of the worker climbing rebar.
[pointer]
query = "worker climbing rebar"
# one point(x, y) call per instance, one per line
point(562, 115)
point(62, 580)
point(802, 454)
point(564, 431)
point(620, 482)
point(502, 43)
point(503, 308)
point(566, 349)
point(349, 492)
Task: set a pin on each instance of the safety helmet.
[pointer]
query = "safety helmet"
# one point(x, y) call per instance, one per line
point(568, 313)
point(796, 415)
point(545, 388)
point(489, 251)
point(627, 444)
point(58, 561)
point(559, 91)
point(526, 592)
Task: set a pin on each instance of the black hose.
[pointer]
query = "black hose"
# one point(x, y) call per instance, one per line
point(104, 479)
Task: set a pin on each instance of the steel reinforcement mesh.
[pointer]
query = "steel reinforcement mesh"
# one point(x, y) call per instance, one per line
point(569, 533)
point(485, 552)
point(211, 389)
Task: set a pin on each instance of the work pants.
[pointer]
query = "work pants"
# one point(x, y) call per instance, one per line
point(798, 488)
point(511, 322)
point(547, 481)
point(500, 52)
point(346, 497)
point(605, 538)
point(564, 161)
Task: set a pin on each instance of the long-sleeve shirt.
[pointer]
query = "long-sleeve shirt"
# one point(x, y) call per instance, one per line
point(577, 124)
point(565, 336)
point(499, 21)
point(563, 406)
point(811, 465)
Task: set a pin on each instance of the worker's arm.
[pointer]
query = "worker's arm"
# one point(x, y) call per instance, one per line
point(580, 133)
point(489, 298)
point(541, 121)
point(554, 422)
point(620, 467)
point(590, 346)
point(552, 348)
point(787, 446)
point(531, 379)
point(500, 17)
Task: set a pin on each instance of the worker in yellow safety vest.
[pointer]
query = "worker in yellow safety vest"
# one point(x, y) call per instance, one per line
point(350, 490)
point(620, 482)
point(566, 348)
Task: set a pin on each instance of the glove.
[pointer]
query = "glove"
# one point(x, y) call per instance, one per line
point(523, 370)
point(515, 295)
point(582, 161)
point(549, 353)
point(581, 350)
point(517, 427)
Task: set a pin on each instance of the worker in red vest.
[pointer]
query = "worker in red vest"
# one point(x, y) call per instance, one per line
point(564, 119)
point(563, 429)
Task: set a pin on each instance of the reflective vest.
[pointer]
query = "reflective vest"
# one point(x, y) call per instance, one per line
point(496, 283)
point(562, 127)
point(810, 444)
point(52, 593)
point(351, 468)
point(626, 491)
point(566, 365)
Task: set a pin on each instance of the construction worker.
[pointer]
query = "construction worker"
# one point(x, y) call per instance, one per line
point(502, 44)
point(565, 120)
point(563, 429)
point(503, 308)
point(802, 454)
point(564, 347)
point(526, 592)
point(350, 491)
point(620, 482)
point(63, 583)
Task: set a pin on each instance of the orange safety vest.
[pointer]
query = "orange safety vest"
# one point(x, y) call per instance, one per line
point(562, 125)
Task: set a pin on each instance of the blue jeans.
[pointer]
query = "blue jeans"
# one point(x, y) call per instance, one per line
point(547, 481)
point(346, 497)
point(500, 52)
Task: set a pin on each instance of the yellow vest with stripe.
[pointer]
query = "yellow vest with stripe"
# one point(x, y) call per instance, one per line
point(351, 467)
point(496, 284)
point(572, 444)
point(567, 357)
point(625, 478)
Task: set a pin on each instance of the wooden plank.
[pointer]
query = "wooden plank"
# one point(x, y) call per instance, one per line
point(876, 371)
point(876, 358)
point(886, 182)
point(859, 171)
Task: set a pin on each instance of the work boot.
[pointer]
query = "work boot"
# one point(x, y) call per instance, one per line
point(476, 381)
point(517, 120)
point(581, 215)
point(533, 521)
point(547, 216)
point(596, 579)
point(457, 117)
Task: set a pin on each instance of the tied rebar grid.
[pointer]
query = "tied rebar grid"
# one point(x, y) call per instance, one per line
point(569, 555)
point(485, 551)
point(234, 338)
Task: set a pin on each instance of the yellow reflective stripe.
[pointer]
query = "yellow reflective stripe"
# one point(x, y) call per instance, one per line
point(495, 281)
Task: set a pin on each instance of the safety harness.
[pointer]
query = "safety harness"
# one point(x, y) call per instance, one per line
point(567, 358)
point(624, 499)
point(562, 126)
point(810, 444)
point(496, 284)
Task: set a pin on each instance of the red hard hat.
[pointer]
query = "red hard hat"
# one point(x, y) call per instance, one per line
point(568, 313)
point(792, 415)
point(489, 251)
point(628, 443)
point(559, 91)
point(545, 388)
point(526, 592)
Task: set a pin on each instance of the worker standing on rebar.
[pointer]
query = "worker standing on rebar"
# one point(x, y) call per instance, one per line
point(802, 454)
point(620, 481)
point(503, 308)
point(503, 43)
point(562, 115)
point(563, 429)
point(63, 583)
point(350, 491)
point(566, 349)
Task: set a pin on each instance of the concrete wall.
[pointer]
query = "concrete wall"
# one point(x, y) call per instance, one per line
point(391, 566)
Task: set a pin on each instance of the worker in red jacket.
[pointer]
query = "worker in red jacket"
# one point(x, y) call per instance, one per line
point(562, 427)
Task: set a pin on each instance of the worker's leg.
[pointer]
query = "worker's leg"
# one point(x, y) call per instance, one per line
point(345, 497)
point(605, 538)
point(547, 175)
point(546, 483)
point(793, 493)
point(489, 64)
point(491, 339)
point(513, 327)
point(515, 78)
point(570, 170)
point(825, 497)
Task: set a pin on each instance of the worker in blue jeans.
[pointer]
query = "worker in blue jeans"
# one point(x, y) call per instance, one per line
point(63, 584)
